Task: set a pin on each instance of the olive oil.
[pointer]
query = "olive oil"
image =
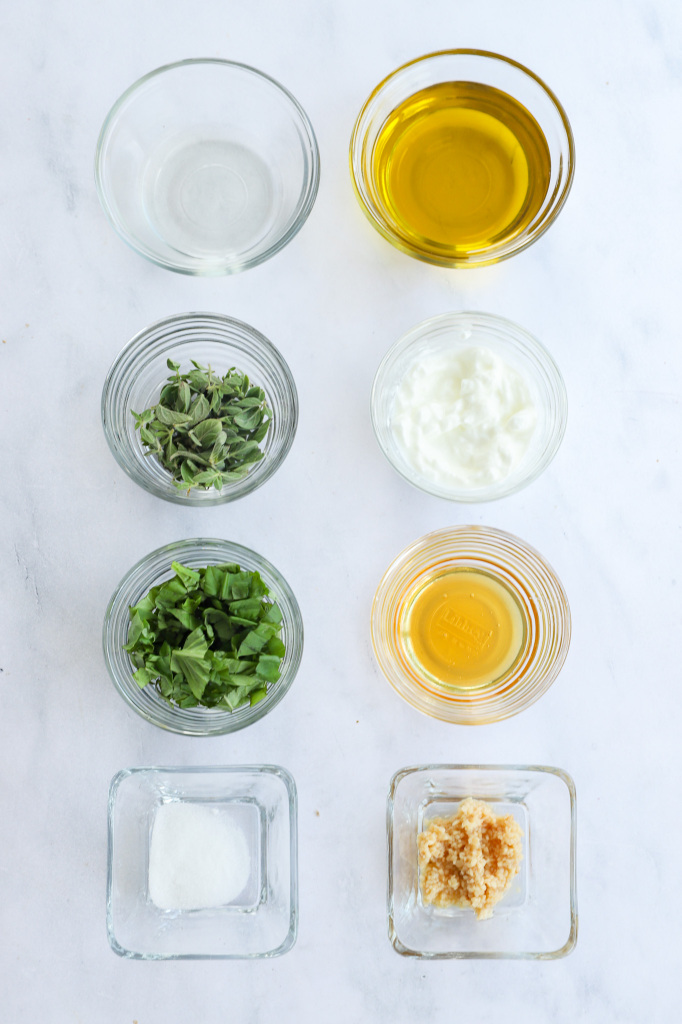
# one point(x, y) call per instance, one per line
point(463, 629)
point(459, 167)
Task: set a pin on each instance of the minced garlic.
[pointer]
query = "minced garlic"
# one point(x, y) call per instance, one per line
point(470, 858)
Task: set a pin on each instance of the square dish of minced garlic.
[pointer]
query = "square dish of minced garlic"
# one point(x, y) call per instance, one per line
point(469, 859)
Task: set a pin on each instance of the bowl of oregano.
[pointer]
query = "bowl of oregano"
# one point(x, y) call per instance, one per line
point(203, 637)
point(199, 409)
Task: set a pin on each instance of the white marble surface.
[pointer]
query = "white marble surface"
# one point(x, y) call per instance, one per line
point(601, 289)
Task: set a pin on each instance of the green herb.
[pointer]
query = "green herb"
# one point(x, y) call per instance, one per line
point(208, 637)
point(205, 429)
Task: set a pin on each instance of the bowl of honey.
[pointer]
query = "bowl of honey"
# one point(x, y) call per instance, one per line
point(462, 158)
point(470, 625)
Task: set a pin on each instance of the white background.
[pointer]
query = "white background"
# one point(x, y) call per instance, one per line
point(601, 290)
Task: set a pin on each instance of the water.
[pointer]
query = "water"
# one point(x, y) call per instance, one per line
point(208, 197)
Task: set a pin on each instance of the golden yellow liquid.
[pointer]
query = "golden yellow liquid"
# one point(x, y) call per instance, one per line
point(463, 629)
point(460, 166)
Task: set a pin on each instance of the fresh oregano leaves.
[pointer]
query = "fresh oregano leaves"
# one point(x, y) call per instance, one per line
point(205, 429)
point(207, 637)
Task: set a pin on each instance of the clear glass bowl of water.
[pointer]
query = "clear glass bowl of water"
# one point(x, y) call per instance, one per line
point(207, 167)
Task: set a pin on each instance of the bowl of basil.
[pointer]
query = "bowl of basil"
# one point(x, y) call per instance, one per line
point(199, 409)
point(203, 637)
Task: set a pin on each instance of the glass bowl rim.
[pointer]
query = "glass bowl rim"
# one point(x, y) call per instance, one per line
point(488, 257)
point(308, 192)
point(430, 766)
point(217, 721)
point(177, 321)
point(529, 344)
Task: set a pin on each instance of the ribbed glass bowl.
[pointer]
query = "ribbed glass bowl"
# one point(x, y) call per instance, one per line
point(153, 569)
point(518, 568)
point(139, 372)
point(207, 167)
point(463, 65)
point(457, 332)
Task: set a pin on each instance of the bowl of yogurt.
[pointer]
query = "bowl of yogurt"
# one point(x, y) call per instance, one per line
point(469, 407)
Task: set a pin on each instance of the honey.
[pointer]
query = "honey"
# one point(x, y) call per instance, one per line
point(459, 167)
point(463, 629)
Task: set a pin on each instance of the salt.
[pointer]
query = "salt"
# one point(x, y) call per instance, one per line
point(198, 857)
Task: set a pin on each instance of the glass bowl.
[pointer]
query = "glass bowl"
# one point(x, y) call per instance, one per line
point(390, 149)
point(537, 919)
point(454, 333)
point(153, 569)
point(470, 662)
point(139, 372)
point(207, 167)
point(258, 800)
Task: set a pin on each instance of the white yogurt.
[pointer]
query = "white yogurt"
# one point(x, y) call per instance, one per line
point(463, 418)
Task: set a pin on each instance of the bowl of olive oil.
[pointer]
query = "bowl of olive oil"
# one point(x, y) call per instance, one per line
point(470, 625)
point(462, 158)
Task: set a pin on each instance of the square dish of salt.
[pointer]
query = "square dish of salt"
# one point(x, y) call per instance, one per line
point(202, 862)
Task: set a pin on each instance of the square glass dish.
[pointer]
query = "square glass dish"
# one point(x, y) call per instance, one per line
point(244, 909)
point(537, 918)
